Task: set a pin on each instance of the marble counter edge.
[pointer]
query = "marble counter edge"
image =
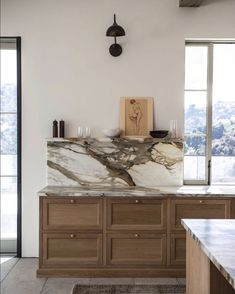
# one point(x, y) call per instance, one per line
point(52, 191)
point(121, 139)
point(99, 193)
point(208, 253)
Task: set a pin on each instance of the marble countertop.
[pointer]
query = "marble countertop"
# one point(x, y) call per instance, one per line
point(119, 139)
point(175, 191)
point(217, 240)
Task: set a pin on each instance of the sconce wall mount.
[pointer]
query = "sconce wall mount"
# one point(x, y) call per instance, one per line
point(115, 31)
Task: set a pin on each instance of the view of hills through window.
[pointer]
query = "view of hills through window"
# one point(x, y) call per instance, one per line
point(8, 134)
point(210, 112)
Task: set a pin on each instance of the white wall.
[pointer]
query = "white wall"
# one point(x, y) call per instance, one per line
point(68, 72)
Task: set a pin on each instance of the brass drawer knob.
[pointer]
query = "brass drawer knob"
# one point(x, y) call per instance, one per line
point(71, 201)
point(137, 235)
point(72, 236)
point(201, 201)
point(137, 201)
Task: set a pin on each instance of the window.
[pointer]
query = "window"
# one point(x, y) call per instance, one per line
point(209, 113)
point(10, 172)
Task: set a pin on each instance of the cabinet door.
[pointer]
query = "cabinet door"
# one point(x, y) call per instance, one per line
point(136, 249)
point(71, 250)
point(72, 213)
point(197, 208)
point(178, 249)
point(136, 214)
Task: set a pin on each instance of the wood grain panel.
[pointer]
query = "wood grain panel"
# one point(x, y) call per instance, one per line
point(218, 283)
point(72, 249)
point(198, 208)
point(197, 269)
point(201, 274)
point(136, 249)
point(136, 214)
point(72, 213)
point(233, 208)
point(178, 249)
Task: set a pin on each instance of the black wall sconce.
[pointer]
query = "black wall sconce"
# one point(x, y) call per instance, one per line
point(115, 31)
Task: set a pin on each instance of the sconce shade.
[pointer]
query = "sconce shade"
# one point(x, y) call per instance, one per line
point(115, 30)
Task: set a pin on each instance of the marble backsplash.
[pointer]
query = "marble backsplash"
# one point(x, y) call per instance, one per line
point(120, 162)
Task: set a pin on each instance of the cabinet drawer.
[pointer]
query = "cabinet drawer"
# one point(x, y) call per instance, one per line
point(136, 214)
point(178, 249)
point(72, 249)
point(199, 208)
point(72, 213)
point(136, 249)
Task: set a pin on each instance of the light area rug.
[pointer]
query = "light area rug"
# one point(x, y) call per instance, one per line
point(129, 289)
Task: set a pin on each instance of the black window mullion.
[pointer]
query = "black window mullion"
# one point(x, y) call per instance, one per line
point(19, 148)
point(15, 44)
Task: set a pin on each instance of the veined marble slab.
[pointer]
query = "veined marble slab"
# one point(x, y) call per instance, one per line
point(119, 162)
point(98, 191)
point(217, 240)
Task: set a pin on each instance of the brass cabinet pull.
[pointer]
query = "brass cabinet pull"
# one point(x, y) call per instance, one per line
point(201, 201)
point(137, 201)
point(71, 201)
point(72, 236)
point(137, 235)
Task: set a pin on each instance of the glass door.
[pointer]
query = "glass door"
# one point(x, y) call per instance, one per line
point(223, 115)
point(10, 132)
point(209, 113)
point(196, 114)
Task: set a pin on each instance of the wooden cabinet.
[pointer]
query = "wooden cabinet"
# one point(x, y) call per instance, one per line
point(136, 214)
point(119, 236)
point(72, 213)
point(77, 249)
point(71, 234)
point(136, 249)
point(197, 208)
point(203, 208)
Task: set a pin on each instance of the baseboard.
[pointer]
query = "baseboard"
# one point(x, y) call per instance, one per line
point(101, 272)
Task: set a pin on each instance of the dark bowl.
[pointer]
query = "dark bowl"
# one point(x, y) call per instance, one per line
point(159, 134)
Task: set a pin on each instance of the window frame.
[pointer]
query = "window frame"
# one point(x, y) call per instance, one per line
point(210, 54)
point(17, 42)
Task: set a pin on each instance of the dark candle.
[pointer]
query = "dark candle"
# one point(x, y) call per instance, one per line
point(61, 129)
point(55, 129)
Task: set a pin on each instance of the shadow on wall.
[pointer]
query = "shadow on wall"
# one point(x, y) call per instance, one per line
point(209, 2)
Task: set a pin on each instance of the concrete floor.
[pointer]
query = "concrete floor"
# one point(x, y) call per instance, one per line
point(21, 279)
point(6, 264)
